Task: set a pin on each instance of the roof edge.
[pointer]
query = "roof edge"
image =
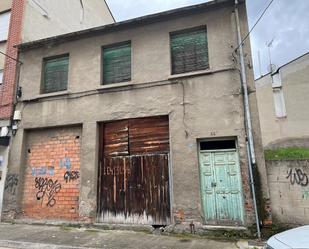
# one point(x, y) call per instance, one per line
point(285, 64)
point(148, 19)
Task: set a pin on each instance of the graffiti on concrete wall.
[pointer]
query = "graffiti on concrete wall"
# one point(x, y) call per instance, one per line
point(11, 183)
point(298, 176)
point(43, 171)
point(71, 175)
point(46, 190)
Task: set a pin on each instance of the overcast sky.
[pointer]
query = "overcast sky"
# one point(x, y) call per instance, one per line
point(286, 21)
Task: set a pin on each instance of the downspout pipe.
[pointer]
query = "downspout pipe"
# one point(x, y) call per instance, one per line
point(250, 143)
point(245, 87)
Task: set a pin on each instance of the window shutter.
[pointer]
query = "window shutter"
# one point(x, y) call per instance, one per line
point(4, 25)
point(189, 50)
point(117, 64)
point(56, 74)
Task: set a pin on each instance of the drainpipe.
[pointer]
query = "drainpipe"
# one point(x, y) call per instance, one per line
point(250, 144)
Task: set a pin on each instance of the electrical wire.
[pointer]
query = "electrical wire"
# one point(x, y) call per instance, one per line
point(10, 57)
point(258, 20)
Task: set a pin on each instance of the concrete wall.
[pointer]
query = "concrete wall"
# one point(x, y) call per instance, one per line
point(49, 18)
point(289, 191)
point(296, 89)
point(205, 105)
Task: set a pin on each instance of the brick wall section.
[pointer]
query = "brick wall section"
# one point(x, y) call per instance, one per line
point(52, 176)
point(8, 89)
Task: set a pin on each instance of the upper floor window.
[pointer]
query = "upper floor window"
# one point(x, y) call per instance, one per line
point(189, 50)
point(1, 77)
point(117, 63)
point(55, 74)
point(4, 25)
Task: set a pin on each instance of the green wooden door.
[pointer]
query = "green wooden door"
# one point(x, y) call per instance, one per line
point(221, 187)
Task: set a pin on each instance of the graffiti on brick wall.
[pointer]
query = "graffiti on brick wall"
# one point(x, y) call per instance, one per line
point(298, 176)
point(11, 183)
point(47, 189)
point(71, 175)
point(43, 171)
point(65, 163)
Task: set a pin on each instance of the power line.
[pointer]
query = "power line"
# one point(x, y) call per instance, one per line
point(11, 57)
point(258, 20)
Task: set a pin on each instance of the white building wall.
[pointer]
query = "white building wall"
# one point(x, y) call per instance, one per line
point(44, 18)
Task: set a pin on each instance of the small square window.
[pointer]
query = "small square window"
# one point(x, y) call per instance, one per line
point(117, 63)
point(189, 50)
point(55, 74)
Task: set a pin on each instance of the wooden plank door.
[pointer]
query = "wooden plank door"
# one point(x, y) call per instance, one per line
point(221, 187)
point(134, 172)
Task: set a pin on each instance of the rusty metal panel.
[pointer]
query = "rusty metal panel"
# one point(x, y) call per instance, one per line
point(135, 189)
point(116, 138)
point(149, 135)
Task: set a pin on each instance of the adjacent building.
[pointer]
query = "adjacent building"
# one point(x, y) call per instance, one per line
point(283, 109)
point(282, 101)
point(136, 122)
point(29, 20)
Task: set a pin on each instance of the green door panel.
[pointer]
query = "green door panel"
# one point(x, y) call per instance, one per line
point(221, 187)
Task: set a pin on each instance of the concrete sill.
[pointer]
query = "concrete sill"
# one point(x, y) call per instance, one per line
point(190, 74)
point(115, 85)
point(209, 227)
point(198, 73)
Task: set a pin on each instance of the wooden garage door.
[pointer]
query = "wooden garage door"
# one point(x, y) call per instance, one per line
point(134, 172)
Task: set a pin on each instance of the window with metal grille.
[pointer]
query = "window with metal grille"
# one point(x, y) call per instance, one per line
point(117, 63)
point(189, 50)
point(55, 74)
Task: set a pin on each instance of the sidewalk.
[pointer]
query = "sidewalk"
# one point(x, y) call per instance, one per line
point(54, 237)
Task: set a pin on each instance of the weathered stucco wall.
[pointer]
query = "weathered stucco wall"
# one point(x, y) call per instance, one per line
point(208, 105)
point(289, 191)
point(5, 5)
point(295, 89)
point(49, 18)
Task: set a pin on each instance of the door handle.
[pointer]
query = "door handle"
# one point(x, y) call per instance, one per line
point(213, 184)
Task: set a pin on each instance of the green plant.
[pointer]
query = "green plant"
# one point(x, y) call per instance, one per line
point(287, 154)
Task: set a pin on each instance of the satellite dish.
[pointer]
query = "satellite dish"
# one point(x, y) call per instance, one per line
point(272, 68)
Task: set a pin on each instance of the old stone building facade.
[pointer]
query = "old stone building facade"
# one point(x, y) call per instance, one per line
point(138, 122)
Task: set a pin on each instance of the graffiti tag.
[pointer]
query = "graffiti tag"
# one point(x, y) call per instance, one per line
point(47, 189)
point(65, 163)
point(11, 183)
point(298, 176)
point(43, 171)
point(71, 176)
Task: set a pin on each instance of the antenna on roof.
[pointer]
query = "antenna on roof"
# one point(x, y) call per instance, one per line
point(271, 67)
